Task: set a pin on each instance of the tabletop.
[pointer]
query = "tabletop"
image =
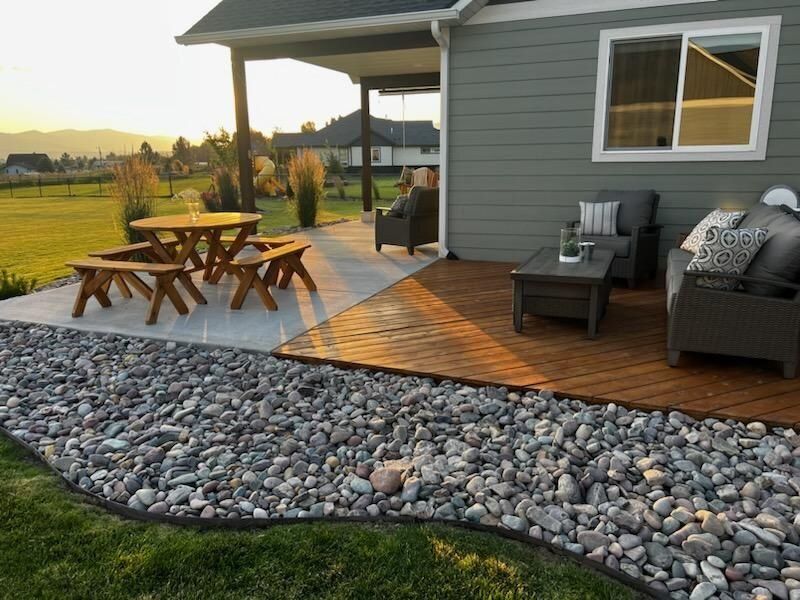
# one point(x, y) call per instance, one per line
point(221, 220)
point(545, 266)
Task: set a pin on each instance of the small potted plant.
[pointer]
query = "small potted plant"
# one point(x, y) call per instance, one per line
point(570, 249)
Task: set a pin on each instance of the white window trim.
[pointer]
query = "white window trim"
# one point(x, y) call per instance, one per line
point(769, 27)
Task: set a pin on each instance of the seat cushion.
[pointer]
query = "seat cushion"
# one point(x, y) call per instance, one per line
point(599, 218)
point(677, 261)
point(723, 219)
point(636, 208)
point(779, 258)
point(726, 251)
point(619, 244)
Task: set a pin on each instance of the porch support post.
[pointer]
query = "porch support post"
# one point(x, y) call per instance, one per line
point(243, 132)
point(366, 151)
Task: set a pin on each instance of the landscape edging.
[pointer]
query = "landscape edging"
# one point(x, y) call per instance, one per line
point(127, 512)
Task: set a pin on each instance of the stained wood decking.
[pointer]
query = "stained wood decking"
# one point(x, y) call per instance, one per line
point(452, 320)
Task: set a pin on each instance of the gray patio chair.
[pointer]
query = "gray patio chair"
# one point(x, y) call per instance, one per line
point(636, 246)
point(412, 221)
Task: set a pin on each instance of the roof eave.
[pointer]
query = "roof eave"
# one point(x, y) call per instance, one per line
point(450, 15)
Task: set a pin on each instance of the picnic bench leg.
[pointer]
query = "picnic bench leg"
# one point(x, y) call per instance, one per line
point(226, 255)
point(298, 267)
point(167, 282)
point(263, 293)
point(245, 283)
point(122, 286)
point(137, 284)
point(273, 270)
point(155, 304)
point(165, 257)
point(80, 301)
point(97, 287)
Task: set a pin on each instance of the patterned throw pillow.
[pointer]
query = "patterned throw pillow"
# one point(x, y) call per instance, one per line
point(726, 251)
point(724, 219)
point(599, 218)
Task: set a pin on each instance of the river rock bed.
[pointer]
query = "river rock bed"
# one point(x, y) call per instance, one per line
point(700, 509)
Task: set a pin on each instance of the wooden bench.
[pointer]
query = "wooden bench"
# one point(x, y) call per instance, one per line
point(126, 253)
point(96, 273)
point(262, 244)
point(285, 258)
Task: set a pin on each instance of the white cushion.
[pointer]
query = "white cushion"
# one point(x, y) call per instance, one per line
point(724, 219)
point(599, 218)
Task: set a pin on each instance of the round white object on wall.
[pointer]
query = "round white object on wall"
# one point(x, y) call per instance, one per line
point(779, 195)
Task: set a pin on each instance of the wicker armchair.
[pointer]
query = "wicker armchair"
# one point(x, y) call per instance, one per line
point(636, 246)
point(417, 224)
point(735, 323)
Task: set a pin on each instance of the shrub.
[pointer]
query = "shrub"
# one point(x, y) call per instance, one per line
point(12, 285)
point(340, 189)
point(227, 188)
point(134, 188)
point(376, 193)
point(333, 163)
point(307, 179)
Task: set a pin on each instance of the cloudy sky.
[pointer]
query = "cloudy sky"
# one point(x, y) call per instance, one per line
point(94, 64)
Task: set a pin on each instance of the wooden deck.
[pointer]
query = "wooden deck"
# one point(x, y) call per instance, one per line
point(452, 320)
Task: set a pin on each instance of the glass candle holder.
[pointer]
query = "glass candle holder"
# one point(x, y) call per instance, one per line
point(569, 251)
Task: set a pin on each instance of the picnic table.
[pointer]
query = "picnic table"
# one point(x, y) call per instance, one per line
point(209, 226)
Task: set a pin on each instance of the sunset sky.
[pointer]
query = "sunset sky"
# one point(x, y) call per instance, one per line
point(95, 64)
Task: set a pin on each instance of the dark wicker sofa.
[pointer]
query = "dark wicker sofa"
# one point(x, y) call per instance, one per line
point(412, 221)
point(759, 320)
point(636, 245)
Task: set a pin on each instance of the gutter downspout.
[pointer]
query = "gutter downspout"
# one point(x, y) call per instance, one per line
point(442, 37)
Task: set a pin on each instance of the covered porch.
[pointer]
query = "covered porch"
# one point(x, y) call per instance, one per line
point(406, 57)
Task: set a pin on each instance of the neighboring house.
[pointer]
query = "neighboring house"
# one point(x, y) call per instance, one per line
point(545, 102)
point(395, 144)
point(23, 164)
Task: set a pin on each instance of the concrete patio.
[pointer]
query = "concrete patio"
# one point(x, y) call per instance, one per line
point(342, 261)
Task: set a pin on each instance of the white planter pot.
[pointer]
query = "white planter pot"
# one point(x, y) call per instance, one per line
point(569, 259)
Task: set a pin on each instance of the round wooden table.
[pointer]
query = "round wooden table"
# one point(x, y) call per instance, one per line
point(209, 226)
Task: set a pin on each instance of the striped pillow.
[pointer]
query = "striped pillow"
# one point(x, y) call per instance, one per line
point(599, 218)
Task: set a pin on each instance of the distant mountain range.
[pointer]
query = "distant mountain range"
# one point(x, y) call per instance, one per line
point(79, 143)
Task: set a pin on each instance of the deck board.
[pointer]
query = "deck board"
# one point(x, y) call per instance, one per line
point(452, 320)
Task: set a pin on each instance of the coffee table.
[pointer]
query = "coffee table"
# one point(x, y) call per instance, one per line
point(545, 287)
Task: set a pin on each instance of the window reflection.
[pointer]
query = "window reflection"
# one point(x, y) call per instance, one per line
point(644, 86)
point(719, 90)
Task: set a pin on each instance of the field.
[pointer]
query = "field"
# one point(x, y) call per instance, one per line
point(37, 235)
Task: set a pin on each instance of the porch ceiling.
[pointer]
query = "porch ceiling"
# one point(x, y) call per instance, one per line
point(382, 63)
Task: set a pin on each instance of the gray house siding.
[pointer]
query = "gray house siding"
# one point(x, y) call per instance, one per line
point(521, 122)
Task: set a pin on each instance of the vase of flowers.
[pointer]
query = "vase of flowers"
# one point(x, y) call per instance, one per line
point(569, 251)
point(191, 199)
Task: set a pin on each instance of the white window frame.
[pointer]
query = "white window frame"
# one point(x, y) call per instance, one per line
point(768, 27)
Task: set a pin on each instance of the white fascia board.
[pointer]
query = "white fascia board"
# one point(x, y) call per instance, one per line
point(542, 9)
point(423, 18)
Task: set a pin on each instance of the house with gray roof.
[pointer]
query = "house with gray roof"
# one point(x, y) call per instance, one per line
point(24, 164)
point(394, 144)
point(546, 102)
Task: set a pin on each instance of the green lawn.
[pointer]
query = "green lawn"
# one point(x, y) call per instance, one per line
point(38, 235)
point(54, 546)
